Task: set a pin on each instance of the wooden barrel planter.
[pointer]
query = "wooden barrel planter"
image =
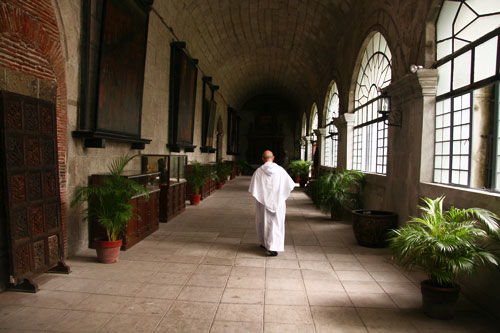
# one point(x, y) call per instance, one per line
point(371, 226)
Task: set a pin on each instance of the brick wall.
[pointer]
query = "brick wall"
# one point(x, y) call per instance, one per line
point(30, 45)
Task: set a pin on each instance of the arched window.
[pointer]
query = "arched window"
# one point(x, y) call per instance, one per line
point(311, 147)
point(331, 138)
point(303, 133)
point(467, 34)
point(370, 131)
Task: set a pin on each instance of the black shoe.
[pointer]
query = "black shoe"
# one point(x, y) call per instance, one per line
point(272, 253)
point(262, 246)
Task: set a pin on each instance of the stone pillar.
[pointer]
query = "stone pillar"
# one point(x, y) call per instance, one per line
point(345, 127)
point(482, 123)
point(320, 149)
point(427, 79)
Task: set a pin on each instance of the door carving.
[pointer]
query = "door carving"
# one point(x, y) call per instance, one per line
point(29, 174)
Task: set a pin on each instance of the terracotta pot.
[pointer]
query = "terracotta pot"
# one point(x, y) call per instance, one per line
point(297, 180)
point(107, 251)
point(371, 226)
point(239, 173)
point(337, 214)
point(195, 199)
point(439, 302)
point(303, 182)
point(219, 185)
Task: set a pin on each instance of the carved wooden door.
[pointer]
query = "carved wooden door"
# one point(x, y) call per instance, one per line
point(31, 187)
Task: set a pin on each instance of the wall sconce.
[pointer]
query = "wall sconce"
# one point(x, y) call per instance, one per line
point(388, 115)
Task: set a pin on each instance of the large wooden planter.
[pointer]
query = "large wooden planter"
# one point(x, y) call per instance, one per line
point(172, 200)
point(371, 226)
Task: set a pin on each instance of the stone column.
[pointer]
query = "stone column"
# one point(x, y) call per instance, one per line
point(345, 127)
point(482, 124)
point(320, 149)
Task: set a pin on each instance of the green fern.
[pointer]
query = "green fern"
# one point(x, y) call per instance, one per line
point(109, 204)
point(337, 191)
point(445, 244)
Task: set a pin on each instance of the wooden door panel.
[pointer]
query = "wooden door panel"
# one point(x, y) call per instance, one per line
point(29, 171)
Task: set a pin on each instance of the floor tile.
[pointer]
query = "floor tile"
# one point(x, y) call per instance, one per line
point(286, 297)
point(329, 298)
point(102, 303)
point(245, 282)
point(287, 314)
point(202, 280)
point(383, 320)
point(240, 312)
point(184, 325)
point(200, 294)
point(245, 296)
point(283, 273)
point(284, 284)
point(191, 310)
point(81, 321)
point(52, 299)
point(367, 300)
point(38, 320)
point(160, 291)
point(362, 287)
point(220, 326)
point(282, 328)
point(337, 318)
point(354, 276)
point(146, 306)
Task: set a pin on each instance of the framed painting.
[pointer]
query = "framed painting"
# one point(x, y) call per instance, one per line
point(113, 62)
point(232, 132)
point(208, 115)
point(183, 79)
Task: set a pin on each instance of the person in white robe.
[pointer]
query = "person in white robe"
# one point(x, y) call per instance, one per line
point(271, 186)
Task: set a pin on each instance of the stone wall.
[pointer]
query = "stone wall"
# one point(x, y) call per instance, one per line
point(83, 162)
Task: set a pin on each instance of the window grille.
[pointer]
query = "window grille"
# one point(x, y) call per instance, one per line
point(370, 131)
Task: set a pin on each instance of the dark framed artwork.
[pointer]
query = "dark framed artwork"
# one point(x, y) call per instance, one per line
point(211, 125)
point(183, 79)
point(115, 40)
point(233, 125)
point(208, 116)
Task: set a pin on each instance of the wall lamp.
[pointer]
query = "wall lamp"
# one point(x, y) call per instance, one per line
point(415, 68)
point(389, 116)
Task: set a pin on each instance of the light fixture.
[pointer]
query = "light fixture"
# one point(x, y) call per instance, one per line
point(384, 108)
point(415, 68)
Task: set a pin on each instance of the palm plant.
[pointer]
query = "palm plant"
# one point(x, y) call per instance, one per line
point(336, 192)
point(109, 203)
point(300, 168)
point(197, 177)
point(445, 244)
point(222, 170)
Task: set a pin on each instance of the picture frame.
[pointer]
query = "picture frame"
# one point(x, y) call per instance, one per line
point(182, 104)
point(113, 64)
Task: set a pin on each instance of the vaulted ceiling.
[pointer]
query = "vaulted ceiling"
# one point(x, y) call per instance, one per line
point(253, 47)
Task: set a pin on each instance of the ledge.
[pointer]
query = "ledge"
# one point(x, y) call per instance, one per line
point(176, 148)
point(207, 149)
point(98, 139)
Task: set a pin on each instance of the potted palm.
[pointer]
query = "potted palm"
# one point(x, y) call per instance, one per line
point(299, 169)
point(339, 192)
point(222, 170)
point(196, 179)
point(444, 245)
point(109, 205)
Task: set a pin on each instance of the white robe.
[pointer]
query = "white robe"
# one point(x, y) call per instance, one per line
point(271, 186)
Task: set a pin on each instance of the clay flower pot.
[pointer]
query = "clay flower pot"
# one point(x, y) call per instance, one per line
point(371, 226)
point(219, 185)
point(195, 199)
point(439, 302)
point(108, 251)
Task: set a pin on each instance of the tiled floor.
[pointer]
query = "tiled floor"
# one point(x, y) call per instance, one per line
point(204, 271)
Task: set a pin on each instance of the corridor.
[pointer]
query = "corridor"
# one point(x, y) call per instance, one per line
point(204, 271)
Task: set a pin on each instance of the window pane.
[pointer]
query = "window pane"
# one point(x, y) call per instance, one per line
point(461, 70)
point(444, 78)
point(485, 59)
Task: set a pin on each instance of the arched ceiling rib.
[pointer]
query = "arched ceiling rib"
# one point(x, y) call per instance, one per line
point(253, 47)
